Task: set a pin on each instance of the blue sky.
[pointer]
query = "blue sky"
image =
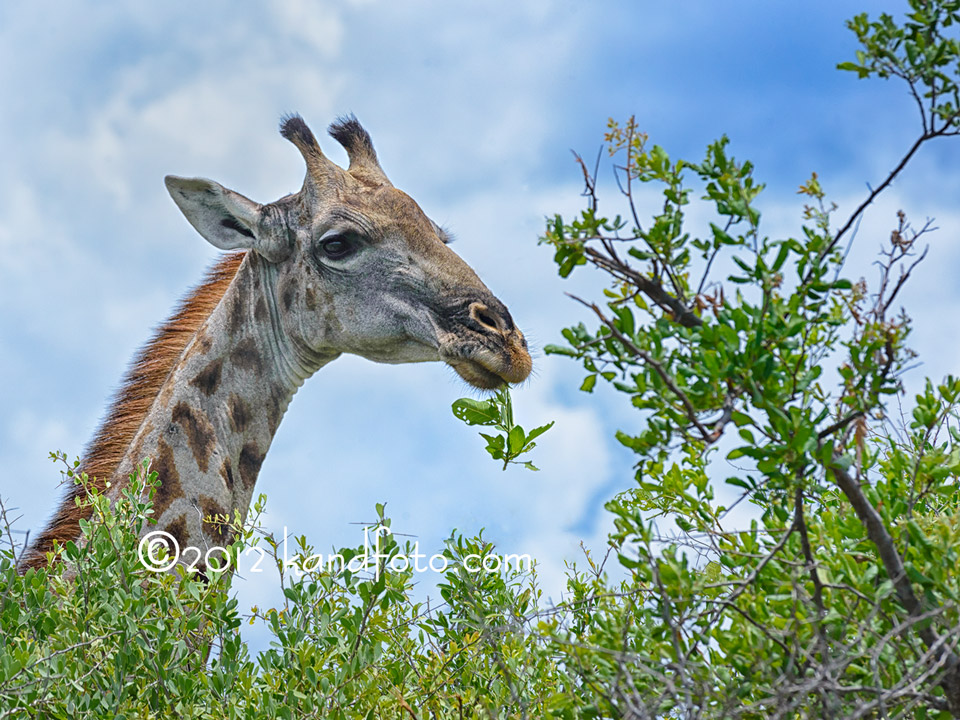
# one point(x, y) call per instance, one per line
point(474, 108)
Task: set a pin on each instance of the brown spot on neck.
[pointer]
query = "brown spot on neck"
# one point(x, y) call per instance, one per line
point(178, 528)
point(200, 346)
point(246, 356)
point(235, 315)
point(250, 461)
point(288, 294)
point(199, 432)
point(276, 406)
point(169, 477)
point(239, 413)
point(209, 378)
point(226, 472)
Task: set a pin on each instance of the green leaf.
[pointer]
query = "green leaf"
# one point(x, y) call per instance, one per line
point(781, 257)
point(740, 419)
point(538, 431)
point(560, 350)
point(476, 412)
point(495, 445)
point(515, 441)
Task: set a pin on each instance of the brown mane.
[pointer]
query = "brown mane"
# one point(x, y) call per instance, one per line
point(140, 386)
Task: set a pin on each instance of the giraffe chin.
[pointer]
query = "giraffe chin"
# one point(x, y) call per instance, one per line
point(476, 374)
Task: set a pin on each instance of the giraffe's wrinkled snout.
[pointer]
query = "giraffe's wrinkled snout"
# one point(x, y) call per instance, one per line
point(492, 350)
point(496, 321)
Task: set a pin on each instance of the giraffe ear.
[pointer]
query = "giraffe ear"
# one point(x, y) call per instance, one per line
point(227, 219)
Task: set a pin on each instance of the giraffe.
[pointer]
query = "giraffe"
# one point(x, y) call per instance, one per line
point(349, 264)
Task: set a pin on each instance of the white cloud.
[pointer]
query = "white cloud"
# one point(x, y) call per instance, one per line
point(316, 23)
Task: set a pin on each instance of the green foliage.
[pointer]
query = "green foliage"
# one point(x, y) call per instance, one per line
point(840, 600)
point(497, 412)
point(920, 51)
point(97, 634)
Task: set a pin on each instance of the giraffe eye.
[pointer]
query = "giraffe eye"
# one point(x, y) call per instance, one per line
point(337, 247)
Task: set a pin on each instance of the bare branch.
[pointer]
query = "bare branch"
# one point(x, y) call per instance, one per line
point(870, 198)
point(840, 424)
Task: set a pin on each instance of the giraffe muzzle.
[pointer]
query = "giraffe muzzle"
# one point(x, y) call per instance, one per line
point(497, 356)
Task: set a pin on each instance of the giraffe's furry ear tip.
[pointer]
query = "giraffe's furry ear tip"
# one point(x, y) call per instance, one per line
point(182, 184)
point(294, 129)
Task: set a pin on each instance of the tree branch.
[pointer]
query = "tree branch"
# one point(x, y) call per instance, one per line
point(651, 288)
point(827, 702)
point(655, 364)
point(870, 198)
point(893, 564)
point(840, 424)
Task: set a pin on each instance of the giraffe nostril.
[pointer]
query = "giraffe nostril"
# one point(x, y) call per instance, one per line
point(481, 313)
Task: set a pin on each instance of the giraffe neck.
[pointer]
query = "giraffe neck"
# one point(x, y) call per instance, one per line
point(214, 418)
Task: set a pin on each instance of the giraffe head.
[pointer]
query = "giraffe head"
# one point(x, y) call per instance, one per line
point(353, 265)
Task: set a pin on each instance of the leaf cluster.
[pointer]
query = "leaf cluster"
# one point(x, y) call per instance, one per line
point(496, 412)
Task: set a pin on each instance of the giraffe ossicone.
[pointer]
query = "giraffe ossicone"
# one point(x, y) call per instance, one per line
point(349, 264)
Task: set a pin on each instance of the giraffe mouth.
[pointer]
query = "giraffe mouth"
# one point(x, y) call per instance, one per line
point(489, 370)
point(476, 374)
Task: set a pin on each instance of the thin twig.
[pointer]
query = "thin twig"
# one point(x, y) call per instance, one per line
point(655, 364)
point(870, 198)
